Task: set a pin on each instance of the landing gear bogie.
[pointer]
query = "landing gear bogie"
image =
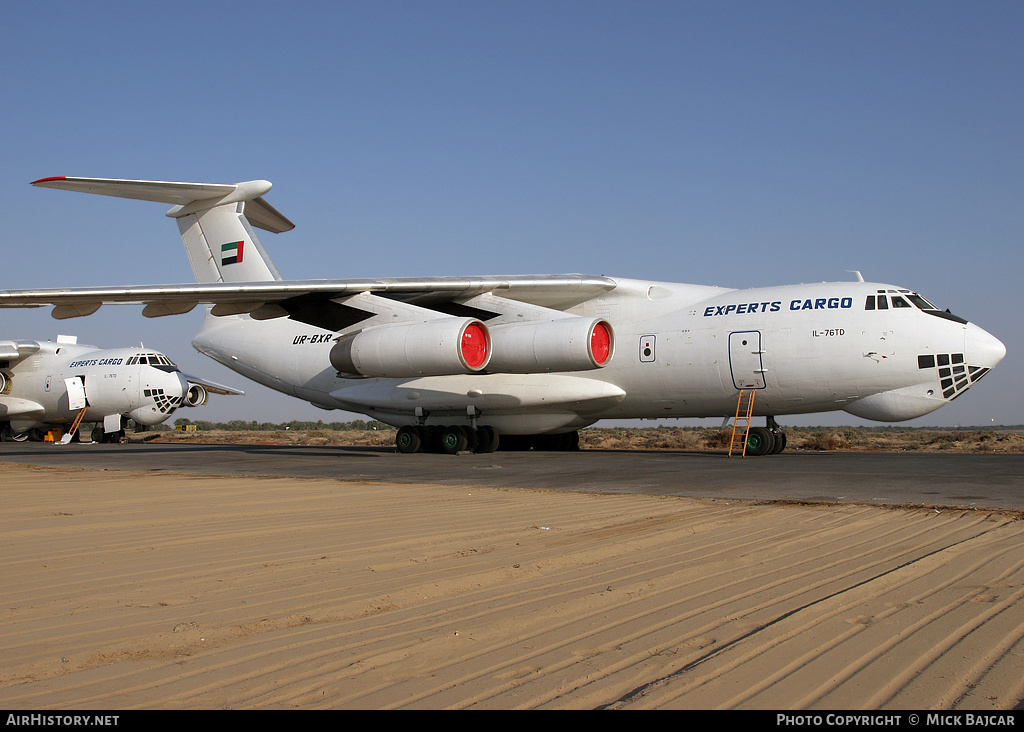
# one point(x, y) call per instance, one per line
point(98, 435)
point(767, 440)
point(450, 440)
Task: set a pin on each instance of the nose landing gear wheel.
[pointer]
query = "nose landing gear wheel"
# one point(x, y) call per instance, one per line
point(760, 441)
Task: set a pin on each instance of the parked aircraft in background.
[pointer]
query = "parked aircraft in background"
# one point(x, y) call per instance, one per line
point(64, 385)
point(461, 363)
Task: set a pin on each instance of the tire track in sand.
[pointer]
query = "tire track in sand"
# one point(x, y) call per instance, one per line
point(314, 593)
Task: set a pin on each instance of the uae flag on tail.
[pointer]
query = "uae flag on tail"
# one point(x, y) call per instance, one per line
point(231, 253)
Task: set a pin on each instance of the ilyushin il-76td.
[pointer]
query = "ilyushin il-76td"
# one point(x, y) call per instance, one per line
point(468, 363)
point(63, 386)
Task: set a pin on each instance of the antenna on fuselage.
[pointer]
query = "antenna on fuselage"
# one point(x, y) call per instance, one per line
point(860, 277)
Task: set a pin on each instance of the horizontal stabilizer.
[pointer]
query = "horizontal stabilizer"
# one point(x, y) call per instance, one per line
point(187, 197)
point(264, 216)
point(141, 190)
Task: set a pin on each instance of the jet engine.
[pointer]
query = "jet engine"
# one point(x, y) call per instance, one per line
point(196, 396)
point(418, 348)
point(566, 344)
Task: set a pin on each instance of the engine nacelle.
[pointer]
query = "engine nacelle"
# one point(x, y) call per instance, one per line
point(566, 344)
point(196, 396)
point(419, 348)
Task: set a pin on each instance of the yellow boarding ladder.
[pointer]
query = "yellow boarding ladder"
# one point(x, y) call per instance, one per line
point(741, 425)
point(74, 427)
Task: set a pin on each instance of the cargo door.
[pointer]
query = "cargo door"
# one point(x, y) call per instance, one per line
point(746, 359)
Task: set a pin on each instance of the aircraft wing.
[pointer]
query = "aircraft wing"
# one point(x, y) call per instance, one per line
point(315, 302)
point(213, 387)
point(16, 406)
point(330, 304)
point(17, 350)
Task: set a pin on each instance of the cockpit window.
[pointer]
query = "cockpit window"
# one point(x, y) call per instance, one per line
point(153, 359)
point(900, 300)
point(932, 310)
point(921, 302)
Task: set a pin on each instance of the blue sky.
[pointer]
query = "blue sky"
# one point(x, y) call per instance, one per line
point(737, 144)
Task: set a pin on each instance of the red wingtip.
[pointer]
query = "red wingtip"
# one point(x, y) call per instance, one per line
point(44, 180)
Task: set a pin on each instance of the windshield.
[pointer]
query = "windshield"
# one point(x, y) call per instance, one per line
point(931, 309)
point(154, 359)
point(920, 302)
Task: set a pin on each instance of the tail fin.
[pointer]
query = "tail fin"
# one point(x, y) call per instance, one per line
point(215, 221)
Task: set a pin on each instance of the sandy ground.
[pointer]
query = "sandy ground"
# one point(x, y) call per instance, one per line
point(124, 591)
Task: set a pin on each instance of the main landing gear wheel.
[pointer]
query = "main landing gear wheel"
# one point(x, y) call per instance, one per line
point(487, 439)
point(454, 439)
point(105, 438)
point(450, 440)
point(408, 439)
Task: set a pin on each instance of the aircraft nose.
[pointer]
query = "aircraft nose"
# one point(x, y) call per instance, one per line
point(981, 348)
point(181, 383)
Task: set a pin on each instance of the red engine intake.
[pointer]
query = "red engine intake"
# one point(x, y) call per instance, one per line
point(601, 343)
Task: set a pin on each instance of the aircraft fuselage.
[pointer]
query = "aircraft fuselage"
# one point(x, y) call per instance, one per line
point(53, 383)
point(680, 351)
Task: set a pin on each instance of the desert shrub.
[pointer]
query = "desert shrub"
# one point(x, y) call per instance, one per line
point(716, 439)
point(824, 441)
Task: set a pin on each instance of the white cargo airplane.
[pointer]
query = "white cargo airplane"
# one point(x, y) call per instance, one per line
point(45, 385)
point(457, 362)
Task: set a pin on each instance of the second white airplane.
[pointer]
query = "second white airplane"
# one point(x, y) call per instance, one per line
point(465, 363)
point(65, 385)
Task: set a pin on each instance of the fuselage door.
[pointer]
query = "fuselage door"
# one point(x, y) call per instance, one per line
point(745, 359)
point(76, 393)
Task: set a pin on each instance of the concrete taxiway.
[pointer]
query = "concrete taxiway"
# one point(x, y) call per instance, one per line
point(976, 481)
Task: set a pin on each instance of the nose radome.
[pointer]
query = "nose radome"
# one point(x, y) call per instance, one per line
point(182, 384)
point(982, 348)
